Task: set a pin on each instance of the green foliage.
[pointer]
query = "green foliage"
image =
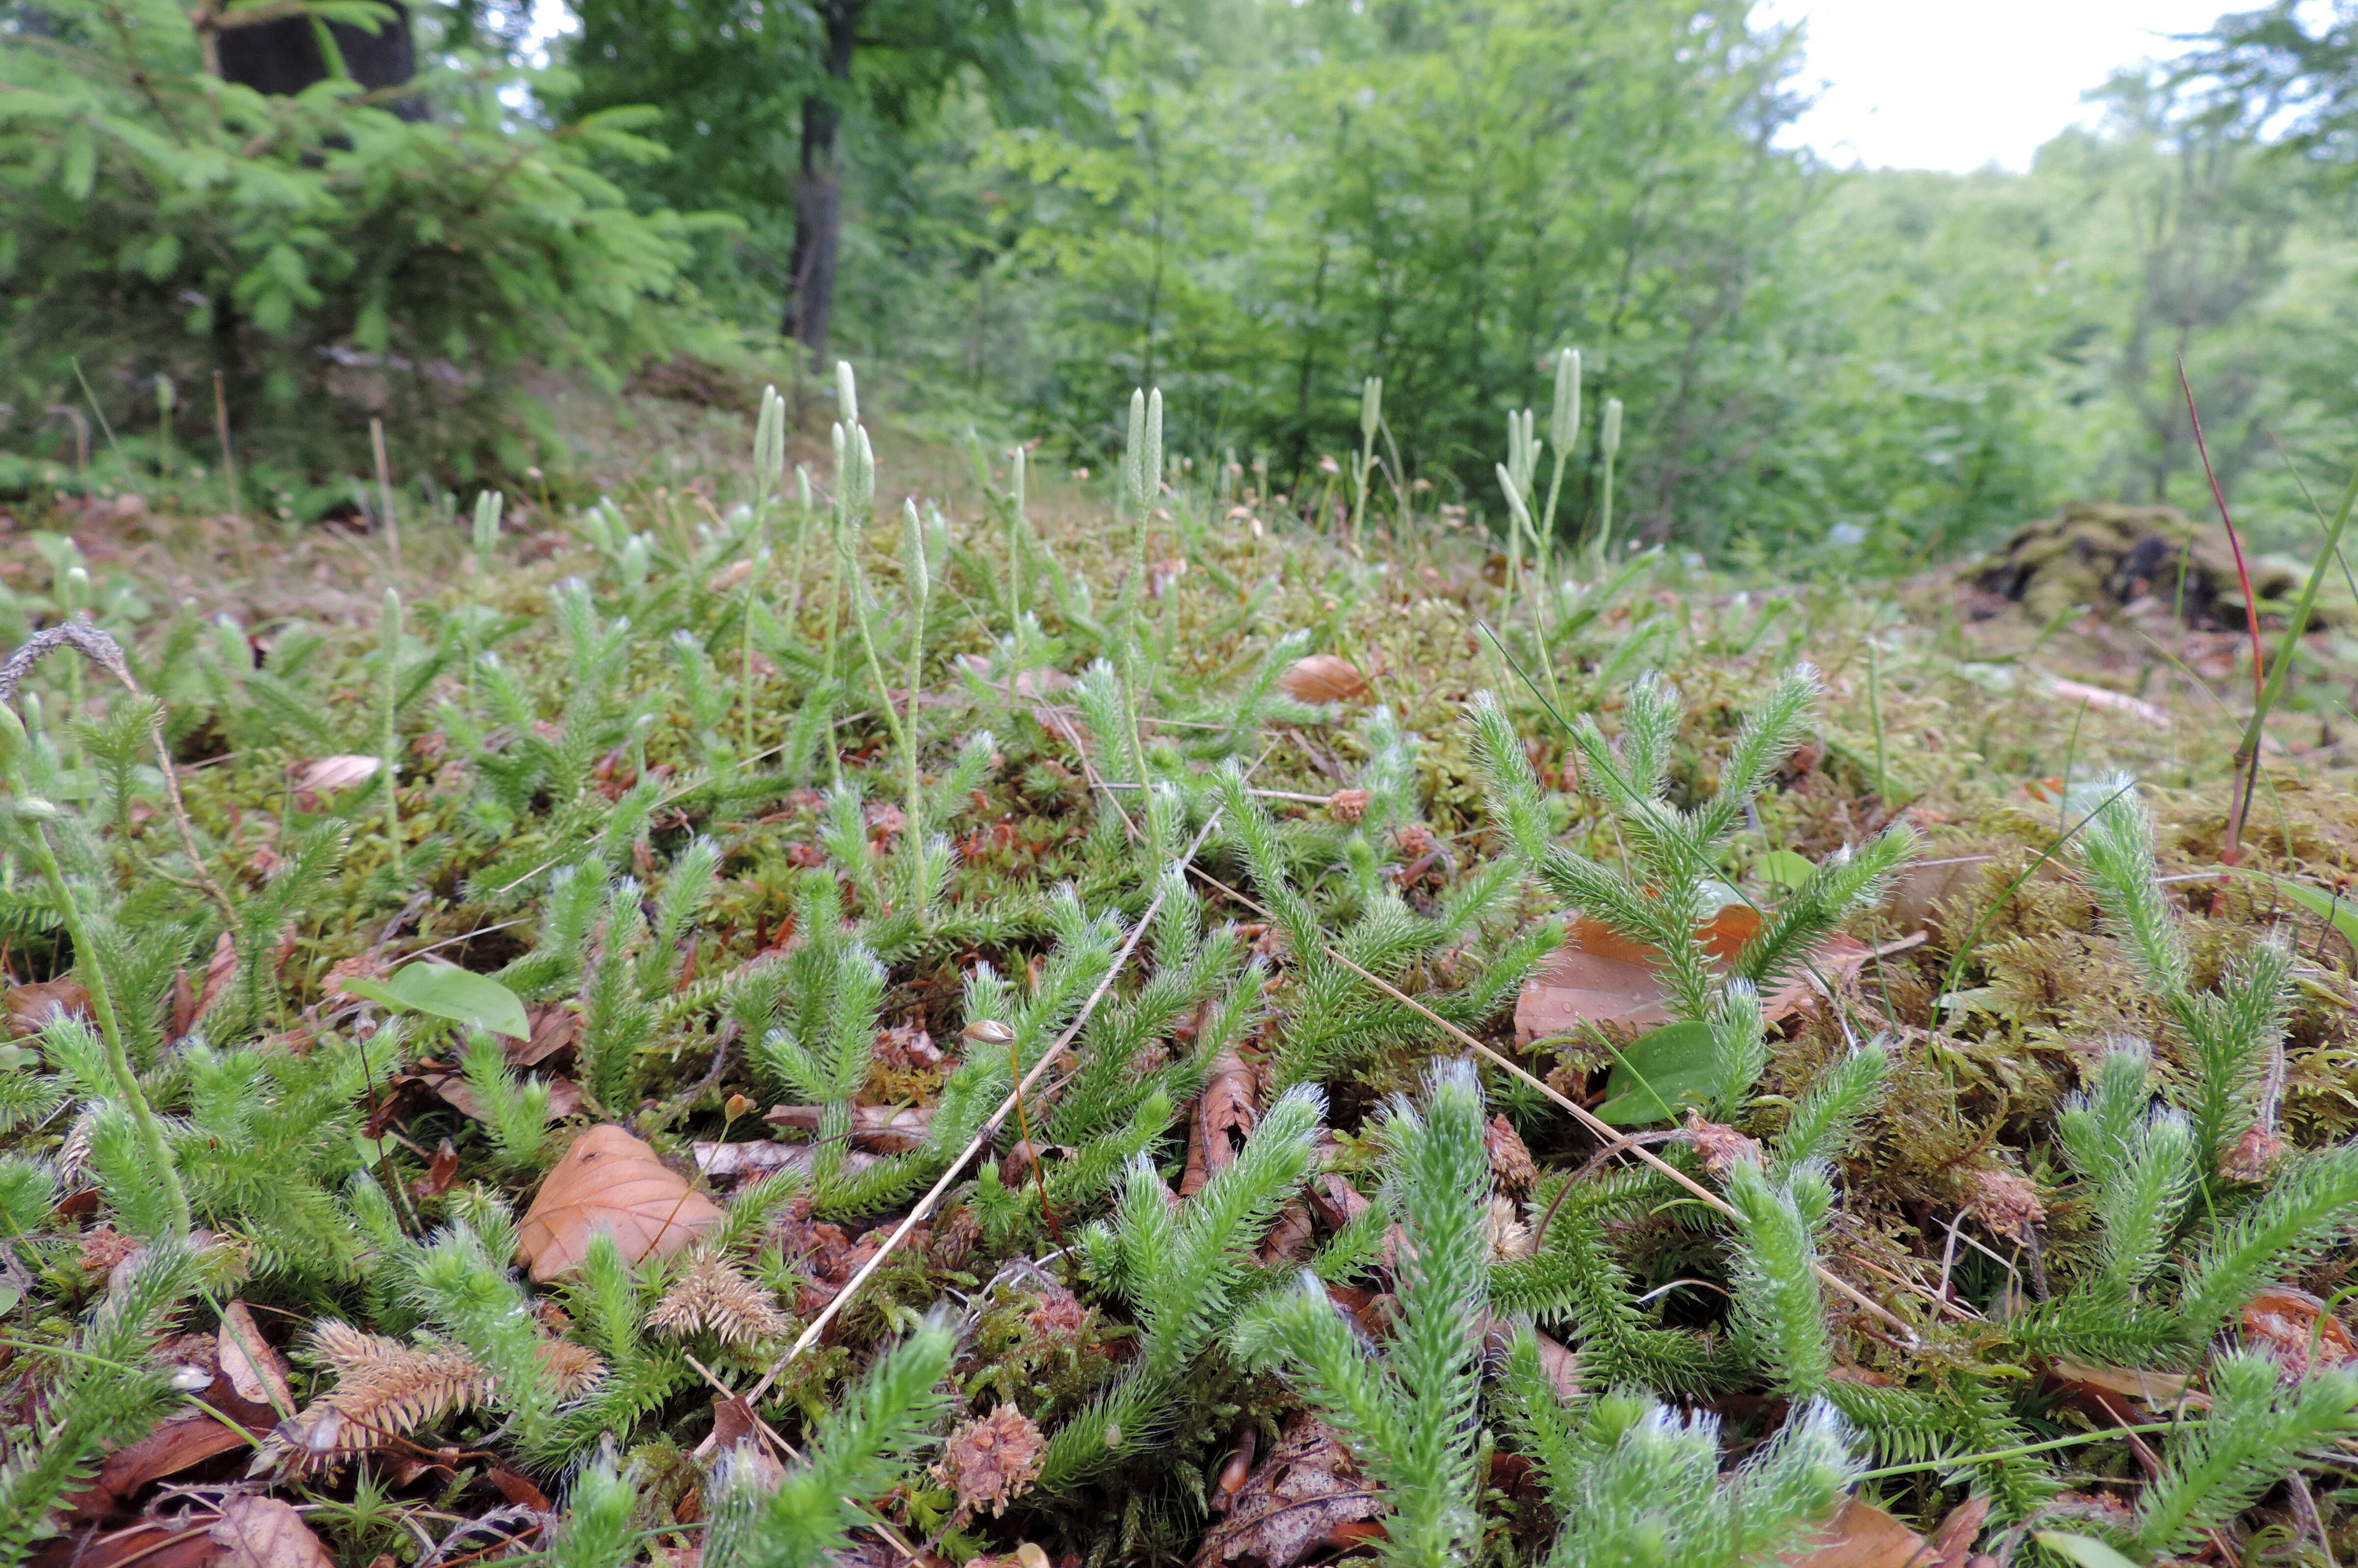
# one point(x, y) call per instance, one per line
point(1181, 1271)
point(2231, 1035)
point(1637, 1483)
point(321, 251)
point(857, 1453)
point(1409, 1416)
point(2258, 1433)
point(1671, 891)
point(105, 1393)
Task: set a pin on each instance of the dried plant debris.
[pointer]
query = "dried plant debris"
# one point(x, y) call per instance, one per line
point(992, 1461)
point(715, 1297)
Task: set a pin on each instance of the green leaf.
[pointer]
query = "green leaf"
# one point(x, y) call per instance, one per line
point(1784, 869)
point(1665, 1068)
point(2085, 1550)
point(445, 990)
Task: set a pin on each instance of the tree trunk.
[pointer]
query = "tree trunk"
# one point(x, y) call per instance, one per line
point(818, 194)
point(284, 57)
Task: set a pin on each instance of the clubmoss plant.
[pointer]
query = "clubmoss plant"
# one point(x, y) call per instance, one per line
point(1408, 1413)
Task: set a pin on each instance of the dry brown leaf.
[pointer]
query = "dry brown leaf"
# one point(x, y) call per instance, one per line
point(2077, 693)
point(1861, 1536)
point(1223, 1119)
point(883, 1129)
point(166, 1450)
point(455, 1091)
point(1919, 889)
point(1562, 1366)
point(1030, 685)
point(325, 775)
point(217, 971)
point(167, 1540)
point(1323, 678)
point(1289, 1239)
point(251, 1363)
point(264, 1532)
point(553, 1028)
point(2293, 1329)
point(611, 1182)
point(1306, 1489)
point(1952, 1543)
point(761, 1157)
point(31, 1009)
point(440, 1171)
point(1599, 977)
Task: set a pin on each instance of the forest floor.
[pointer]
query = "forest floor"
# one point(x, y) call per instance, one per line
point(740, 954)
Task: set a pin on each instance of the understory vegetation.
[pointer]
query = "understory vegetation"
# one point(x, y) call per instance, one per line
point(777, 1018)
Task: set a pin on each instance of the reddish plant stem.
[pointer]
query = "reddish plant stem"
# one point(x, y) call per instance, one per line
point(2246, 768)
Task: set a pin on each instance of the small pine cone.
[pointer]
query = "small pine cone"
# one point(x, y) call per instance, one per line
point(2007, 1203)
point(1510, 1160)
point(1416, 840)
point(1347, 805)
point(102, 1249)
point(1720, 1147)
point(990, 1462)
point(2255, 1154)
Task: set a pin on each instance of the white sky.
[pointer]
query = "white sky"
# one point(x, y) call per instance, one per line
point(1957, 84)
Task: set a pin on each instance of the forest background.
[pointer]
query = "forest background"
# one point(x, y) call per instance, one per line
point(1010, 211)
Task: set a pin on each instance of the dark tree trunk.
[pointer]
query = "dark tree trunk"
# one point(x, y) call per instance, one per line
point(818, 194)
point(285, 57)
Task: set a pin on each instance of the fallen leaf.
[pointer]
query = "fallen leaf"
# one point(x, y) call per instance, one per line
point(440, 1171)
point(173, 1541)
point(264, 1532)
point(761, 1157)
point(217, 971)
point(1861, 1536)
point(1952, 1543)
point(609, 1182)
point(454, 1090)
point(31, 1009)
point(516, 1489)
point(251, 1363)
point(884, 1128)
point(2096, 697)
point(1322, 679)
point(2158, 1389)
point(325, 776)
point(1307, 1488)
point(1223, 1121)
point(1599, 977)
point(2294, 1329)
point(1918, 893)
point(553, 1028)
point(1030, 685)
point(166, 1450)
point(732, 1422)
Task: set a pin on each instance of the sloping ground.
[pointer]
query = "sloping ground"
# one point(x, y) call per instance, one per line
point(752, 952)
